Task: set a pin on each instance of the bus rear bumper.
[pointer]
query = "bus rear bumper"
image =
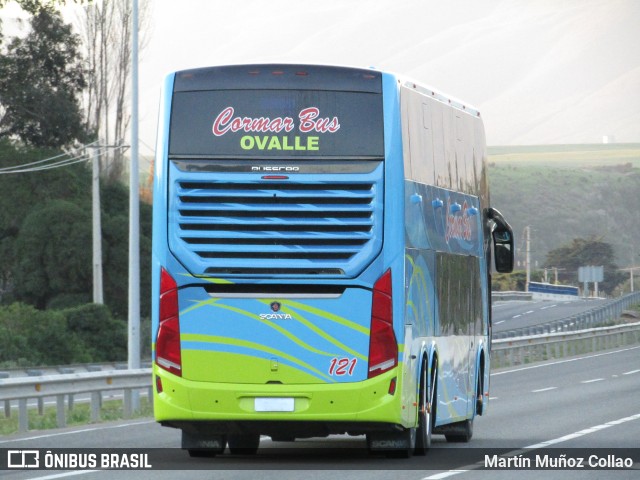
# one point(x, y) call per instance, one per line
point(275, 409)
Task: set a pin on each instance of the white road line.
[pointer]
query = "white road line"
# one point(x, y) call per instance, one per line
point(543, 389)
point(73, 432)
point(549, 306)
point(631, 372)
point(65, 474)
point(538, 446)
point(498, 323)
point(516, 316)
point(542, 365)
point(592, 380)
point(439, 476)
point(586, 431)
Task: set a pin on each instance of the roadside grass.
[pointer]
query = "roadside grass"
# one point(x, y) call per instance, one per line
point(80, 414)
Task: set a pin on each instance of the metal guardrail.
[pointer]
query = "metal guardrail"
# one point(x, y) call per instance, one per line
point(36, 371)
point(65, 386)
point(535, 348)
point(595, 317)
point(510, 296)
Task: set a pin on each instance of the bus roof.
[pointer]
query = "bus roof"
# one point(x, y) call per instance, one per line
point(279, 76)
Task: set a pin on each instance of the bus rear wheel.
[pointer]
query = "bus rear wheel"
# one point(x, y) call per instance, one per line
point(426, 410)
point(460, 432)
point(244, 444)
point(400, 444)
point(203, 445)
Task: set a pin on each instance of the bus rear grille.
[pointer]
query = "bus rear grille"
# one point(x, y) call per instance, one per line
point(245, 228)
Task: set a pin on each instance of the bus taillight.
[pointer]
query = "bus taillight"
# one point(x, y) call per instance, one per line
point(383, 347)
point(168, 354)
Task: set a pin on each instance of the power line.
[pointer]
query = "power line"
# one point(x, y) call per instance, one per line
point(64, 163)
point(41, 161)
point(84, 157)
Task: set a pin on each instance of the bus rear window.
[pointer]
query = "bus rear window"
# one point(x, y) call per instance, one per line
point(276, 124)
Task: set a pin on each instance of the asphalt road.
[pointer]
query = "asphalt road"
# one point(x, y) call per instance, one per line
point(569, 405)
point(518, 314)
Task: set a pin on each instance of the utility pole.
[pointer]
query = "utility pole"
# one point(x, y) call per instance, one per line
point(527, 264)
point(134, 213)
point(98, 291)
point(555, 274)
point(630, 269)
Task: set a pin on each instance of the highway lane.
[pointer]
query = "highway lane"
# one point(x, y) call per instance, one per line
point(517, 314)
point(570, 405)
point(547, 400)
point(588, 401)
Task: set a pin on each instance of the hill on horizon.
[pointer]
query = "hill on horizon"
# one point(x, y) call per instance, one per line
point(569, 191)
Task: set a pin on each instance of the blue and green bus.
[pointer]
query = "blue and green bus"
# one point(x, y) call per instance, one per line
point(323, 243)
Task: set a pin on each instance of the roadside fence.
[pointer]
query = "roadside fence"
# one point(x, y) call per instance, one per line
point(509, 352)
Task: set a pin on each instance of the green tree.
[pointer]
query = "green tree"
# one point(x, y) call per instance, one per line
point(584, 252)
point(14, 342)
point(515, 281)
point(53, 254)
point(33, 6)
point(31, 202)
point(33, 337)
point(42, 78)
point(21, 193)
point(115, 250)
point(104, 338)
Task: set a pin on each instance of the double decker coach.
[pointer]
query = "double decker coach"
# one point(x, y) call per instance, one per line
point(323, 243)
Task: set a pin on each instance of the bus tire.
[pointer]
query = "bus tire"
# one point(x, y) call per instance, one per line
point(202, 452)
point(426, 410)
point(393, 444)
point(460, 432)
point(244, 444)
point(203, 445)
point(479, 391)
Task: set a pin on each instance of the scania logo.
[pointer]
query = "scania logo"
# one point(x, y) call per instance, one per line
point(275, 308)
point(276, 316)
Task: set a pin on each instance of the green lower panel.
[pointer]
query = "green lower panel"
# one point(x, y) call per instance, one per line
point(245, 369)
point(367, 401)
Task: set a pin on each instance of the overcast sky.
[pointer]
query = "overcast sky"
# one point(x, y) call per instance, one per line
point(540, 71)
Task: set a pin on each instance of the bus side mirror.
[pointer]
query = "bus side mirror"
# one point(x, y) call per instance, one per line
point(503, 253)
point(502, 241)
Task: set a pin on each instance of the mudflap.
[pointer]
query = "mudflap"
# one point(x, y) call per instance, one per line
point(400, 444)
point(457, 432)
point(200, 444)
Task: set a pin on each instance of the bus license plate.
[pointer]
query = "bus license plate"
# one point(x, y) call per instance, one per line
point(270, 404)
